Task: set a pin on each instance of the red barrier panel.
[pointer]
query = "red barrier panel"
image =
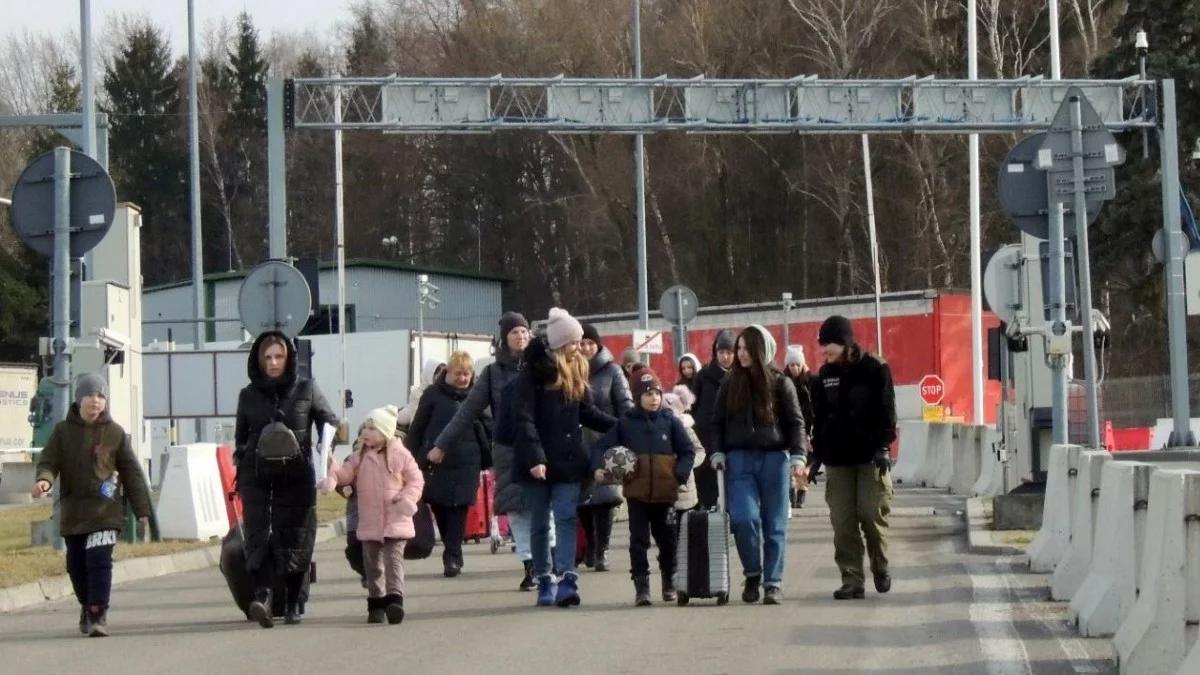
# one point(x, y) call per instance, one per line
point(233, 503)
point(1132, 438)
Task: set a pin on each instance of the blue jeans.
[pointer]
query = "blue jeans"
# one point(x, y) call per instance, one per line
point(756, 486)
point(541, 499)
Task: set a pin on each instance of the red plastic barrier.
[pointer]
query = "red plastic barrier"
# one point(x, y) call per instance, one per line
point(233, 503)
point(1132, 438)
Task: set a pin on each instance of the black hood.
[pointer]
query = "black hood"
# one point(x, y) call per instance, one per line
point(727, 339)
point(285, 383)
point(601, 359)
point(507, 359)
point(540, 362)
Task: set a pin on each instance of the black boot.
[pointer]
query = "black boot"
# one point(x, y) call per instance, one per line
point(293, 613)
point(394, 609)
point(527, 583)
point(641, 590)
point(260, 609)
point(604, 524)
point(668, 588)
point(375, 610)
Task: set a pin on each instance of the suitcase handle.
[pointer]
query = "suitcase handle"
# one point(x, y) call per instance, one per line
point(721, 490)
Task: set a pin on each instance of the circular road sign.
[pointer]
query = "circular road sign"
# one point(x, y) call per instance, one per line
point(679, 304)
point(274, 296)
point(1022, 189)
point(93, 202)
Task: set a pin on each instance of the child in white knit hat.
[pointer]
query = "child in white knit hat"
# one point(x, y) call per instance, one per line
point(387, 483)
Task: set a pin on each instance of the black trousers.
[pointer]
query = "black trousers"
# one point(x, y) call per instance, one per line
point(354, 555)
point(452, 524)
point(646, 520)
point(279, 505)
point(706, 485)
point(597, 522)
point(90, 567)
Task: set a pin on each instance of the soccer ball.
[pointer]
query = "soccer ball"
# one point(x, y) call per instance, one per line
point(619, 463)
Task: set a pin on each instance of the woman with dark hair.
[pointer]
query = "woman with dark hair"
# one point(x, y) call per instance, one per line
point(276, 472)
point(854, 412)
point(759, 440)
point(689, 368)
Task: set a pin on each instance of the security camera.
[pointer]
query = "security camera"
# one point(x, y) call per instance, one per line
point(111, 339)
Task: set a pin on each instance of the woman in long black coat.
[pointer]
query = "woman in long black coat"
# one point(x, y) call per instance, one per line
point(451, 471)
point(279, 497)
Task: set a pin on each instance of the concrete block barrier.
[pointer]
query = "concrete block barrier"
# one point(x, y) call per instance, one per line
point(966, 461)
point(943, 473)
point(1160, 632)
point(1077, 560)
point(914, 441)
point(937, 454)
point(1052, 540)
point(991, 470)
point(192, 505)
point(1111, 587)
point(16, 479)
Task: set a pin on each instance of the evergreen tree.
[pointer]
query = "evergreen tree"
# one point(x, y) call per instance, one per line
point(148, 154)
point(64, 97)
point(244, 130)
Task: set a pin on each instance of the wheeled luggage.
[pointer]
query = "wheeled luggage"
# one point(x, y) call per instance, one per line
point(702, 556)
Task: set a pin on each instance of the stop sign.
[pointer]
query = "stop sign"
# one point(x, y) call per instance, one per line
point(933, 389)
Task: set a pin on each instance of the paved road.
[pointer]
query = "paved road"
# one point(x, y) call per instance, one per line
point(949, 612)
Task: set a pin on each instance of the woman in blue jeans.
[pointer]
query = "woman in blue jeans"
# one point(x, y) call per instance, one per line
point(760, 443)
point(553, 401)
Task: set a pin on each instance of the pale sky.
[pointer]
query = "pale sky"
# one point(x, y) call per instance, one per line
point(59, 17)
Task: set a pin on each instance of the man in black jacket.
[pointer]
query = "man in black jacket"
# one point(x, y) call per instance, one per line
point(708, 383)
point(854, 410)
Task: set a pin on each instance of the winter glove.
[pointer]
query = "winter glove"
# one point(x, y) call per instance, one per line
point(883, 461)
point(718, 461)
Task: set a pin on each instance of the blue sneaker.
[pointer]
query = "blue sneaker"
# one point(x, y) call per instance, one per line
point(568, 591)
point(546, 590)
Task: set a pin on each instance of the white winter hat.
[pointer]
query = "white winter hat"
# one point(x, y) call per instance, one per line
point(382, 420)
point(795, 354)
point(562, 328)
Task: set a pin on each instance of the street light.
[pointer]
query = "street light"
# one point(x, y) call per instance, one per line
point(426, 296)
point(788, 306)
point(1142, 44)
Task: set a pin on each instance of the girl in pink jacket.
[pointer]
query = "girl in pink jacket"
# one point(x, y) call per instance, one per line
point(388, 484)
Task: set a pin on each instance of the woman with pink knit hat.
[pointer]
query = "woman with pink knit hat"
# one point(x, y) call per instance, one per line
point(554, 400)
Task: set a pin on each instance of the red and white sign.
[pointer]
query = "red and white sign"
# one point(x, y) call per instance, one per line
point(648, 341)
point(933, 389)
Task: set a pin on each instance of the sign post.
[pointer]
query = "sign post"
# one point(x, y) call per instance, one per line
point(933, 391)
point(679, 306)
point(648, 341)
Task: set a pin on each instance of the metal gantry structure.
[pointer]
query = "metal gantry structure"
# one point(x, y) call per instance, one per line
point(806, 104)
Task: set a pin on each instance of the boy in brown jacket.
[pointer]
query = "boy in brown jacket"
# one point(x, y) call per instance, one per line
point(89, 454)
point(665, 455)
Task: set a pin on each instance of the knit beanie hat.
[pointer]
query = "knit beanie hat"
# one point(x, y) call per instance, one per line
point(590, 333)
point(88, 384)
point(562, 328)
point(795, 354)
point(836, 331)
point(509, 321)
point(726, 340)
point(382, 420)
point(645, 380)
point(768, 341)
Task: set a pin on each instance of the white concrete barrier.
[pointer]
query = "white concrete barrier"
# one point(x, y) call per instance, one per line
point(937, 454)
point(16, 480)
point(1052, 540)
point(1160, 631)
point(192, 503)
point(1110, 589)
point(991, 470)
point(1077, 561)
point(914, 440)
point(943, 473)
point(966, 460)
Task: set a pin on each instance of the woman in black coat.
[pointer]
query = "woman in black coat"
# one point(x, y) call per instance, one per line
point(610, 393)
point(279, 496)
point(451, 471)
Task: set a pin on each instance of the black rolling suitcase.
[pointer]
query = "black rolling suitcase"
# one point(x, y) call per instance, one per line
point(233, 568)
point(702, 557)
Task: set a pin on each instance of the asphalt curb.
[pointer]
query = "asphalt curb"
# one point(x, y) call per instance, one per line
point(134, 569)
point(981, 538)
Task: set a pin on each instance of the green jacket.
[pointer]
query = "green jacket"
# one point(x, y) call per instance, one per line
point(83, 455)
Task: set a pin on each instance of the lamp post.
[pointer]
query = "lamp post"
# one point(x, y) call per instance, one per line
point(426, 297)
point(788, 306)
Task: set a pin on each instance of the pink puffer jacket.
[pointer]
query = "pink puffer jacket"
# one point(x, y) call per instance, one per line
point(388, 486)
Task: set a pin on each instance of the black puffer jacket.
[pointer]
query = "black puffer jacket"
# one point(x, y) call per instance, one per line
point(610, 393)
point(297, 399)
point(707, 384)
point(854, 404)
point(548, 425)
point(738, 430)
point(455, 481)
point(482, 404)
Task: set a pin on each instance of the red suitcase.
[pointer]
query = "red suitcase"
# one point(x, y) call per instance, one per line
point(482, 512)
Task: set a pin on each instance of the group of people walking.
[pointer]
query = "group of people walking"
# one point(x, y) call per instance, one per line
point(543, 416)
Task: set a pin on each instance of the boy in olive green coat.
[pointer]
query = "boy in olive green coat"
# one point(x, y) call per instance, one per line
point(89, 454)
